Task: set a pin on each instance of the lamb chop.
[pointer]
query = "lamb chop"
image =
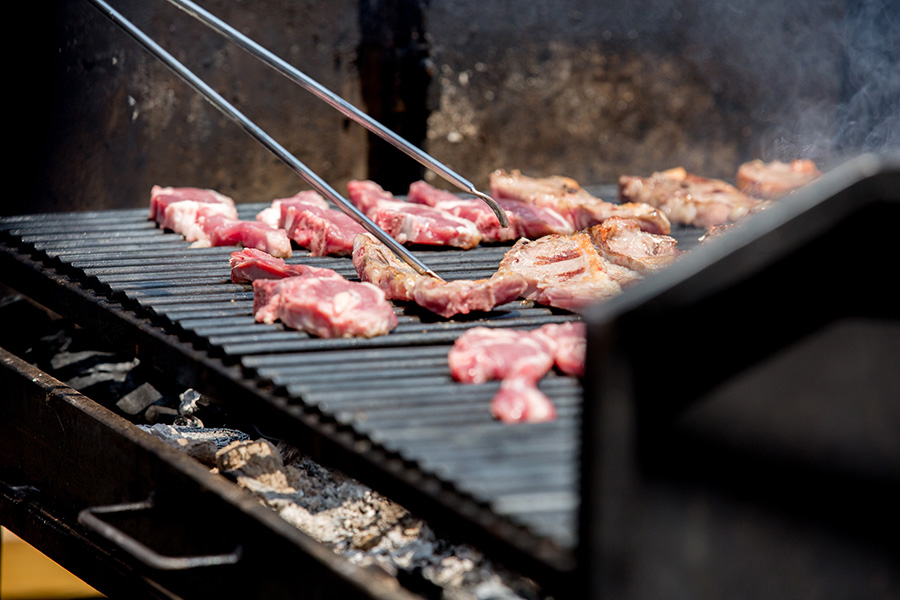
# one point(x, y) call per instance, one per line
point(180, 209)
point(313, 224)
point(774, 179)
point(375, 263)
point(412, 223)
point(525, 220)
point(689, 199)
point(565, 196)
point(622, 242)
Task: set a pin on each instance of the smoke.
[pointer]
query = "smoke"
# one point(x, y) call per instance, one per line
point(819, 79)
point(869, 114)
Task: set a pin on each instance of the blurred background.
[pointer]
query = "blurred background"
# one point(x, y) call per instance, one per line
point(571, 87)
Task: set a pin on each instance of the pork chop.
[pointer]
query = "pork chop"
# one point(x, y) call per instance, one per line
point(565, 196)
point(565, 271)
point(774, 179)
point(689, 199)
point(624, 243)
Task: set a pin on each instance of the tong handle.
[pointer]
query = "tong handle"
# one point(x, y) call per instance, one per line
point(261, 136)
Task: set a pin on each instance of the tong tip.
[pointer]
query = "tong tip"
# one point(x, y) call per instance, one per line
point(501, 214)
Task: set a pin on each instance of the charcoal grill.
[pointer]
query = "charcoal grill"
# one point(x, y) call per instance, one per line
point(384, 410)
point(572, 515)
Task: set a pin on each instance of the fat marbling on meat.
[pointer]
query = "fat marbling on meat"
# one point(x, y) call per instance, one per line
point(180, 209)
point(689, 199)
point(327, 307)
point(219, 230)
point(316, 300)
point(525, 220)
point(310, 221)
point(624, 243)
point(409, 222)
point(565, 196)
point(375, 263)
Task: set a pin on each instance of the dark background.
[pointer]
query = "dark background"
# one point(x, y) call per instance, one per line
point(585, 89)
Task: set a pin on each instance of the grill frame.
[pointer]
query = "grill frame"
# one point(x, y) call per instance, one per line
point(422, 487)
point(62, 274)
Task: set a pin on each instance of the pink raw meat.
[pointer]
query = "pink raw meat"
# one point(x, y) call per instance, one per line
point(179, 209)
point(412, 223)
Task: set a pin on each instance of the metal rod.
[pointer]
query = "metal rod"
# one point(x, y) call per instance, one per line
point(261, 136)
point(336, 102)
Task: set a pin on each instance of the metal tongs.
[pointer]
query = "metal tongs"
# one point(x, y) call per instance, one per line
point(317, 90)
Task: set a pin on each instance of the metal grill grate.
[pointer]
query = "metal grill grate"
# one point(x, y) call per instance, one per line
point(395, 390)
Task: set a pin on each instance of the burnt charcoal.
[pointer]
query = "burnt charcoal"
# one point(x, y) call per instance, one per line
point(135, 402)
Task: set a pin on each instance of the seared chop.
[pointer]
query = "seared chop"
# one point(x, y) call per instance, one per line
point(565, 271)
point(568, 198)
point(623, 242)
point(375, 263)
point(774, 179)
point(689, 199)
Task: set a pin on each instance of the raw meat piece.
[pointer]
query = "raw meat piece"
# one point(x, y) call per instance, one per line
point(517, 401)
point(622, 242)
point(519, 359)
point(774, 179)
point(484, 354)
point(689, 199)
point(277, 213)
point(568, 198)
point(375, 263)
point(179, 209)
point(249, 265)
point(326, 307)
point(314, 225)
point(412, 223)
point(571, 344)
point(524, 220)
point(565, 271)
point(219, 230)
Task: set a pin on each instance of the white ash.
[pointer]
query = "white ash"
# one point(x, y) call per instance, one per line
point(198, 442)
point(352, 519)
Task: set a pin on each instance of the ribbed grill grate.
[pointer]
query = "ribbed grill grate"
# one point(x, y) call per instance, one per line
point(395, 389)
